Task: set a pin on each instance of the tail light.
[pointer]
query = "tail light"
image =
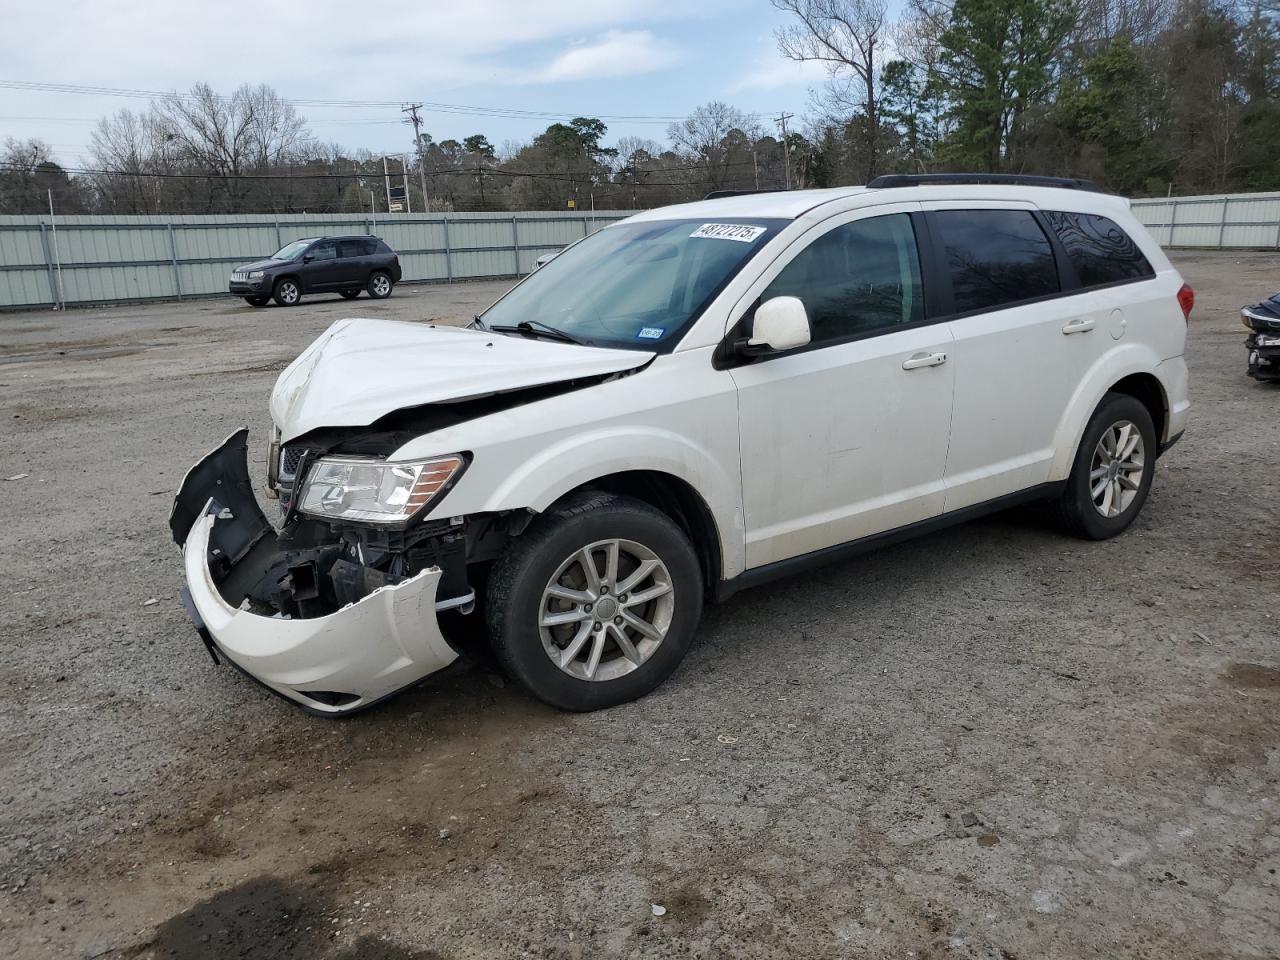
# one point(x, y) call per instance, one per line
point(1186, 300)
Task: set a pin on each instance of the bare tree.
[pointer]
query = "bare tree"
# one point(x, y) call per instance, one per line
point(848, 36)
point(229, 136)
point(704, 138)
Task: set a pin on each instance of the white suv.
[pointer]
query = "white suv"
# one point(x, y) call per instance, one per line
point(691, 401)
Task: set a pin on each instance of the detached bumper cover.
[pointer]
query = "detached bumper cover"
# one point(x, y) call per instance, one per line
point(333, 664)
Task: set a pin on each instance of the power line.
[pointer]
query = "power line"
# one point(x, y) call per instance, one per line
point(432, 106)
point(358, 174)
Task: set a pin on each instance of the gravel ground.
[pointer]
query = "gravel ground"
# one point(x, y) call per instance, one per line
point(993, 742)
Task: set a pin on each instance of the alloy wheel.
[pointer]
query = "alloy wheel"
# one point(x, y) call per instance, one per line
point(1115, 474)
point(289, 292)
point(606, 610)
point(381, 285)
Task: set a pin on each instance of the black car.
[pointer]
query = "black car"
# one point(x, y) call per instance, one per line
point(1263, 342)
point(344, 265)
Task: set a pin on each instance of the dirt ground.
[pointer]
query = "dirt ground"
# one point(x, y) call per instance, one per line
point(991, 743)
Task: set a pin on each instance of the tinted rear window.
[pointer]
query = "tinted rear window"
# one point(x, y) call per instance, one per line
point(359, 247)
point(1099, 249)
point(995, 257)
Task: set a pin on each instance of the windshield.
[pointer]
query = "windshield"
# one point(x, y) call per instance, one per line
point(292, 251)
point(636, 285)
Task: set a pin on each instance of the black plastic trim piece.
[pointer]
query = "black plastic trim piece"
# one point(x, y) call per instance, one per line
point(1170, 442)
point(756, 576)
point(891, 180)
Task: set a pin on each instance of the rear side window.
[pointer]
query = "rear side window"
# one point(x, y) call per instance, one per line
point(1099, 249)
point(995, 257)
point(859, 278)
point(358, 247)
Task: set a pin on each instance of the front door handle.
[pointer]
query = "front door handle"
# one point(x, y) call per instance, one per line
point(1078, 326)
point(918, 360)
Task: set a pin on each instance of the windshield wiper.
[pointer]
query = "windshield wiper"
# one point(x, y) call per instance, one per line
point(536, 328)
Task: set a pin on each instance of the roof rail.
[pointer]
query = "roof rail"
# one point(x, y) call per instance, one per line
point(718, 194)
point(1004, 179)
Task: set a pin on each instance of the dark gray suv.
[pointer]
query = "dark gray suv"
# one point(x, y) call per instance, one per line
point(344, 265)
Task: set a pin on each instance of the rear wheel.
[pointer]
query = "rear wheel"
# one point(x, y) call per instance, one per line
point(287, 293)
point(256, 301)
point(596, 603)
point(379, 285)
point(350, 294)
point(1113, 470)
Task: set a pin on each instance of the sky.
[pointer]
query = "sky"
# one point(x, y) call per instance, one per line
point(649, 60)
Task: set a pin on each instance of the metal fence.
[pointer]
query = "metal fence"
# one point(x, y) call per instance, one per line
point(94, 259)
point(1224, 221)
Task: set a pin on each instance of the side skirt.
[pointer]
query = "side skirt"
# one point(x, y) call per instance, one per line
point(779, 569)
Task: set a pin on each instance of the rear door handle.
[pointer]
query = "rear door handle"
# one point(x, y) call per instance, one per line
point(918, 360)
point(1078, 326)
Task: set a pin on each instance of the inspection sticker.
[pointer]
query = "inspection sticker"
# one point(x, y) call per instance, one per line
point(728, 231)
point(651, 333)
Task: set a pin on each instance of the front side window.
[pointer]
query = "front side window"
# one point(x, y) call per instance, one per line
point(634, 285)
point(323, 251)
point(995, 257)
point(859, 278)
point(1099, 249)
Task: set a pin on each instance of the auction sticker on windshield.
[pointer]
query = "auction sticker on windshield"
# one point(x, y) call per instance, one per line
point(728, 231)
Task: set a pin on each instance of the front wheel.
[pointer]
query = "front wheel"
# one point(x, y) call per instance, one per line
point(379, 286)
point(1113, 470)
point(596, 603)
point(287, 293)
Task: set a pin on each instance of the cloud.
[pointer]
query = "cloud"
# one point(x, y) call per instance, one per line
point(772, 71)
point(617, 53)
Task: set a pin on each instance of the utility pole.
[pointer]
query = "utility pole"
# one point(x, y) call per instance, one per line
point(404, 176)
point(386, 180)
point(786, 147)
point(416, 119)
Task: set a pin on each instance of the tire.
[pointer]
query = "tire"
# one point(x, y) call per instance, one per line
point(1076, 509)
point(256, 301)
point(549, 553)
point(349, 294)
point(379, 285)
point(287, 293)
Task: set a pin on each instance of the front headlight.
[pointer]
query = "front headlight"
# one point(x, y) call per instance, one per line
point(374, 491)
point(256, 275)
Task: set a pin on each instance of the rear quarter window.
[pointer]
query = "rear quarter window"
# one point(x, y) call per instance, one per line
point(1099, 249)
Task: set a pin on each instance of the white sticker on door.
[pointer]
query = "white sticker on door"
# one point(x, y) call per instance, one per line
point(743, 233)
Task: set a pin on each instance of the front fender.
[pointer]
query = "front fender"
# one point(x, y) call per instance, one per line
point(1123, 361)
point(554, 470)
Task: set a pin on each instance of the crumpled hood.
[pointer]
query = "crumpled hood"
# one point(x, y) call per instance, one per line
point(360, 370)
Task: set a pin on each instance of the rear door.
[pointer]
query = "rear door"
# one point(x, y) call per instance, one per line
point(1024, 338)
point(354, 261)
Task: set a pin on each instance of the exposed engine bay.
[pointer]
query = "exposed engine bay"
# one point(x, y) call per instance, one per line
point(308, 568)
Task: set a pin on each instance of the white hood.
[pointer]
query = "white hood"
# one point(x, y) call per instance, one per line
point(360, 370)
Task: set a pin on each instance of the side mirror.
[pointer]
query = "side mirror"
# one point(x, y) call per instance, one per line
point(307, 258)
point(780, 324)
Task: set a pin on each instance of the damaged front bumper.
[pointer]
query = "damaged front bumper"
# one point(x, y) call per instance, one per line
point(335, 663)
point(1264, 356)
